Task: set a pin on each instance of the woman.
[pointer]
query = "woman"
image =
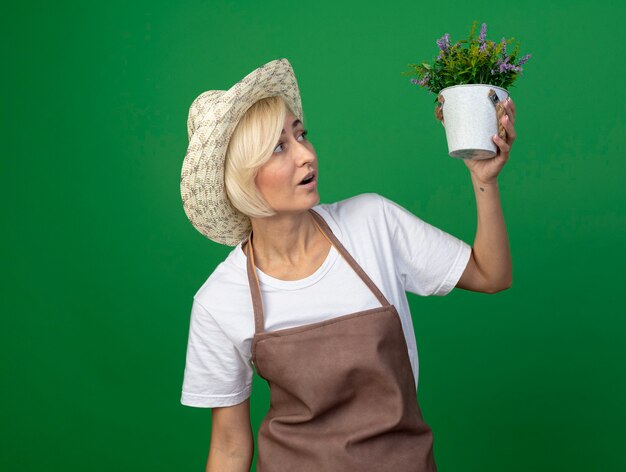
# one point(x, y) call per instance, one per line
point(313, 296)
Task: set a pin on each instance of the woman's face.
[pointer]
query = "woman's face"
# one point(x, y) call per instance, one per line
point(292, 159)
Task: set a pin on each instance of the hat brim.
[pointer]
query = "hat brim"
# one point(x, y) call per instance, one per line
point(202, 177)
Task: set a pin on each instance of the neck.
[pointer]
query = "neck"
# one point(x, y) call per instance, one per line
point(284, 239)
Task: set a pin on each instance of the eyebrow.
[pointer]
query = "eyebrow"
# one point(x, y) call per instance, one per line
point(293, 126)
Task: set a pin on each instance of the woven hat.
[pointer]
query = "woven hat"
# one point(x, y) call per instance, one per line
point(213, 116)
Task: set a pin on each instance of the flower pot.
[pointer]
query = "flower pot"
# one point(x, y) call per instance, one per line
point(470, 120)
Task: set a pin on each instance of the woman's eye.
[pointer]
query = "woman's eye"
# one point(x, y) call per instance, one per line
point(303, 135)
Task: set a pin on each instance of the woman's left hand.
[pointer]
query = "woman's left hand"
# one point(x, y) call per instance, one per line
point(487, 170)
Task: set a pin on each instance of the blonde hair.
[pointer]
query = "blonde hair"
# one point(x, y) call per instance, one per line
point(251, 145)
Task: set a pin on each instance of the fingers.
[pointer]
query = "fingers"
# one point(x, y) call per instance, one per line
point(505, 147)
point(507, 122)
point(512, 105)
point(505, 144)
point(509, 107)
point(438, 113)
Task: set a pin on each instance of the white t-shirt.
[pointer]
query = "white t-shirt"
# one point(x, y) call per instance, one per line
point(399, 251)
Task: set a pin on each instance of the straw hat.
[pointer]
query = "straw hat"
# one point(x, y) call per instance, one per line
point(213, 116)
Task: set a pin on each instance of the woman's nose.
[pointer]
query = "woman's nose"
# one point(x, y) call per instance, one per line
point(304, 155)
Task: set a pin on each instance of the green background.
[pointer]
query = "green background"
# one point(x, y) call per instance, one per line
point(100, 262)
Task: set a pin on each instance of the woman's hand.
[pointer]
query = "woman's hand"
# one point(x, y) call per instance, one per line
point(487, 170)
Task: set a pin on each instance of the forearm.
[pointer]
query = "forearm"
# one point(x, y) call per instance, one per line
point(491, 245)
point(223, 458)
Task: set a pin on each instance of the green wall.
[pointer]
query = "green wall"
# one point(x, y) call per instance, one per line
point(100, 262)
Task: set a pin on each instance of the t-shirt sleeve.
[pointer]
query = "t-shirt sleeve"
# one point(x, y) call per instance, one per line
point(428, 261)
point(216, 374)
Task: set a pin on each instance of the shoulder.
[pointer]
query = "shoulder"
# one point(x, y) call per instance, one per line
point(359, 221)
point(371, 210)
point(227, 282)
point(359, 208)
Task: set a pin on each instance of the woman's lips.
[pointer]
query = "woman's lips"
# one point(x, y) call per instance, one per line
point(311, 184)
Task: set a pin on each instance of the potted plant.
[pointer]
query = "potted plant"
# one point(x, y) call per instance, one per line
point(469, 83)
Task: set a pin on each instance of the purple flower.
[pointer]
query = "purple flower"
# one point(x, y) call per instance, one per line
point(506, 66)
point(444, 42)
point(523, 60)
point(483, 33)
point(503, 47)
point(502, 64)
point(481, 38)
point(422, 81)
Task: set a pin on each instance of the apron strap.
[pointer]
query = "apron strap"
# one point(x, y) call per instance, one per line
point(255, 290)
point(257, 300)
point(348, 257)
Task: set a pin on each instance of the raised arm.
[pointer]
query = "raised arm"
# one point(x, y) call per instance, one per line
point(489, 269)
point(232, 442)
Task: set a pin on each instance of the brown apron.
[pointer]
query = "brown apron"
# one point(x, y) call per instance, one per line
point(342, 391)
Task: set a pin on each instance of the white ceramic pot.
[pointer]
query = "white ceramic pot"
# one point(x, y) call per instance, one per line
point(470, 120)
